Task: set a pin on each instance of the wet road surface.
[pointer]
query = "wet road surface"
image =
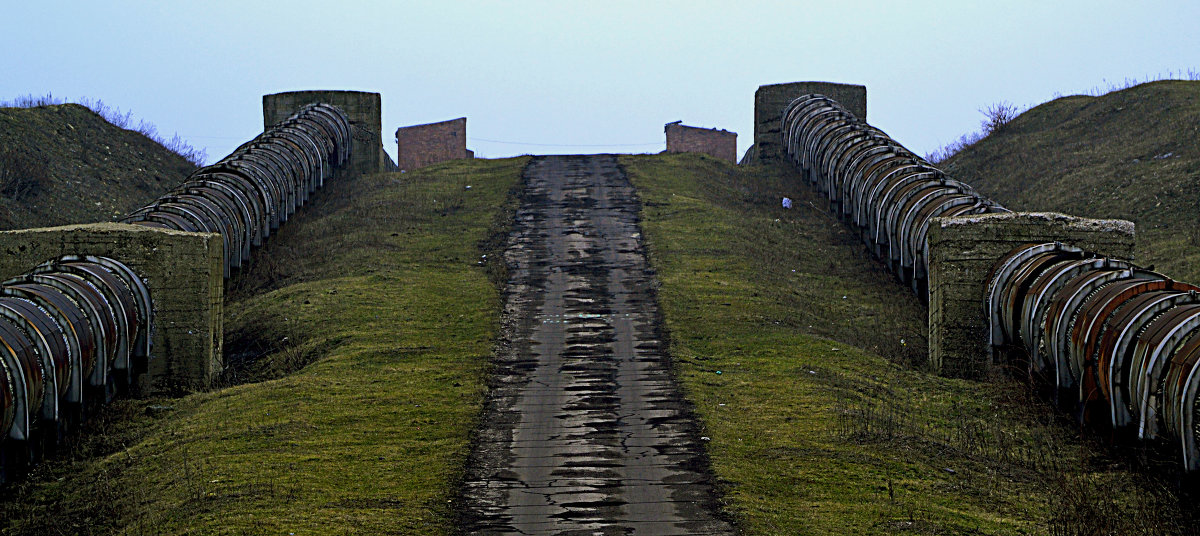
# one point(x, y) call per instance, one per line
point(584, 431)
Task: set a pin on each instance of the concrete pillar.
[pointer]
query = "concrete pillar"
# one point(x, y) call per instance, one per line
point(364, 110)
point(962, 252)
point(183, 272)
point(770, 100)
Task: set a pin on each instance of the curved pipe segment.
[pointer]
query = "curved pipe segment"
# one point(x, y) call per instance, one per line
point(249, 193)
point(1118, 344)
point(76, 330)
point(874, 183)
point(67, 331)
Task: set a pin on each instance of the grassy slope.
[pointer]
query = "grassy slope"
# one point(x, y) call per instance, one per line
point(1105, 157)
point(374, 296)
point(96, 171)
point(388, 321)
point(778, 324)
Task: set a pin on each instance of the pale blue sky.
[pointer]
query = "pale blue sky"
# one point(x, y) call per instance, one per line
point(598, 76)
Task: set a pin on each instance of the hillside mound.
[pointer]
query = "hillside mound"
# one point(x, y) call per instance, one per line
point(65, 164)
point(1131, 154)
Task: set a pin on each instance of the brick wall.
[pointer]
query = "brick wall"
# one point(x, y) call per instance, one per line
point(770, 100)
point(418, 146)
point(684, 139)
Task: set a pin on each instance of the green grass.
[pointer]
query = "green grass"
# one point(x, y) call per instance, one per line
point(364, 329)
point(360, 340)
point(787, 340)
point(1132, 154)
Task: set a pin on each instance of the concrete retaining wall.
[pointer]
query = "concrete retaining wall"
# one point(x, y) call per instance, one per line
point(183, 272)
point(770, 100)
point(962, 252)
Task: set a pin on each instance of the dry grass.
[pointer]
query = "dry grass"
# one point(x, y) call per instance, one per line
point(361, 360)
point(1132, 154)
point(786, 337)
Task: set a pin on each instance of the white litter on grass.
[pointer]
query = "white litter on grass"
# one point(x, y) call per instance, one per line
point(787, 202)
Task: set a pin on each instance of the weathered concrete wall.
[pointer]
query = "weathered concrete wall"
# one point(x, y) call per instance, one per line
point(364, 110)
point(418, 146)
point(714, 142)
point(770, 100)
point(962, 252)
point(183, 272)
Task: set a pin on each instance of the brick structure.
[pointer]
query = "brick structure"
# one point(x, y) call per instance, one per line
point(183, 272)
point(714, 142)
point(962, 252)
point(364, 110)
point(418, 146)
point(769, 102)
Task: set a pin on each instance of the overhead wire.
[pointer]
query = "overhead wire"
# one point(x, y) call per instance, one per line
point(507, 142)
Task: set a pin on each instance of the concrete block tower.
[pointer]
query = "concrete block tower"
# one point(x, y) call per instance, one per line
point(770, 100)
point(365, 112)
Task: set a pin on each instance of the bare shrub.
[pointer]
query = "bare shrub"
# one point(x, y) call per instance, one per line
point(998, 115)
point(112, 114)
point(115, 116)
point(995, 117)
point(22, 176)
point(941, 154)
point(31, 101)
point(176, 144)
point(1085, 503)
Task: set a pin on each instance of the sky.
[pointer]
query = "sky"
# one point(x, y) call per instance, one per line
point(583, 77)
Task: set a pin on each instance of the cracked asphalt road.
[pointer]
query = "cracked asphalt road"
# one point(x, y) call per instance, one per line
point(585, 431)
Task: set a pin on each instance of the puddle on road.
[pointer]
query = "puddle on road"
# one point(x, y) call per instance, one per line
point(584, 430)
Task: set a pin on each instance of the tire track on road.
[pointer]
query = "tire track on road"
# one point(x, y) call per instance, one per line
point(584, 431)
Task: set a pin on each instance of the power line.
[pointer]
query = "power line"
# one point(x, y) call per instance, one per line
point(567, 144)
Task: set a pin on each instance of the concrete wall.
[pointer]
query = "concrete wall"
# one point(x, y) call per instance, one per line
point(418, 146)
point(714, 142)
point(183, 272)
point(364, 110)
point(962, 252)
point(770, 100)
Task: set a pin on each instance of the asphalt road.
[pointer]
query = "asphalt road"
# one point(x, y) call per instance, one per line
point(585, 431)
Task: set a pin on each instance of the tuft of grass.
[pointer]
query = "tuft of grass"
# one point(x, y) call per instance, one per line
point(361, 352)
point(786, 338)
